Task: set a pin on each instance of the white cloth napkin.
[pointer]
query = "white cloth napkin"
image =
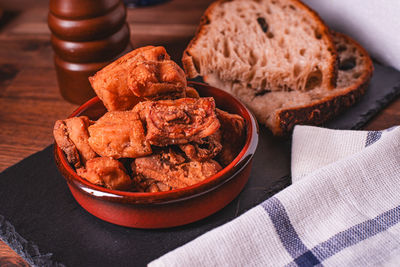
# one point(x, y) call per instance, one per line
point(343, 209)
point(375, 24)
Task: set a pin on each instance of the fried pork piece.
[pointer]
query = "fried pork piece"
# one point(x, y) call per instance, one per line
point(157, 80)
point(191, 92)
point(178, 121)
point(204, 149)
point(232, 136)
point(149, 185)
point(107, 172)
point(120, 89)
point(172, 169)
point(71, 136)
point(119, 134)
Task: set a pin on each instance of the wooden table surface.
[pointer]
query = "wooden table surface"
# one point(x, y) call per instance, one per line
point(29, 98)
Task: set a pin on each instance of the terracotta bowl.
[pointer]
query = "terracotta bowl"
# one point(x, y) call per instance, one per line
point(171, 208)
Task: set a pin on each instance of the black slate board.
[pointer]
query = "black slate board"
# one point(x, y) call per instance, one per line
point(36, 203)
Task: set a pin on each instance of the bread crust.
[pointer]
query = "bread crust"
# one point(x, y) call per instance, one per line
point(192, 70)
point(189, 66)
point(324, 109)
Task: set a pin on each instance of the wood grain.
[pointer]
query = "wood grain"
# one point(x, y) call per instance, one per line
point(29, 97)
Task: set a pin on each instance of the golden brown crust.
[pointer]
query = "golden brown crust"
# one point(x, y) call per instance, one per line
point(146, 73)
point(192, 93)
point(203, 149)
point(324, 109)
point(144, 184)
point(172, 169)
point(318, 112)
point(233, 131)
point(107, 172)
point(157, 80)
point(62, 139)
point(192, 70)
point(119, 134)
point(171, 122)
point(187, 61)
point(72, 135)
point(110, 83)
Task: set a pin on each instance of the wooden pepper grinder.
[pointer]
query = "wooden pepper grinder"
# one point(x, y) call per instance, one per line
point(86, 36)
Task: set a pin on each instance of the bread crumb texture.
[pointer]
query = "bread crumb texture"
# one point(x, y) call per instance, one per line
point(355, 70)
point(265, 45)
point(280, 59)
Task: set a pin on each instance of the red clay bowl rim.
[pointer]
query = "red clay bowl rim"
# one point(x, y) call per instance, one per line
point(211, 183)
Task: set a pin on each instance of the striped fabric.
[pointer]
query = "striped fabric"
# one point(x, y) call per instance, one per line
point(343, 209)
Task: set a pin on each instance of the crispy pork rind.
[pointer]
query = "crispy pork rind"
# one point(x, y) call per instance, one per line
point(145, 72)
point(191, 92)
point(143, 184)
point(157, 80)
point(180, 121)
point(119, 134)
point(71, 135)
point(204, 149)
point(172, 169)
point(107, 172)
point(233, 133)
point(151, 109)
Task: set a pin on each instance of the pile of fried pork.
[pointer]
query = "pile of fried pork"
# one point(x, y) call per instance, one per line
point(157, 135)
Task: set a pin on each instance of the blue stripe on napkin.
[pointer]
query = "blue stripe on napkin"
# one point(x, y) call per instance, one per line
point(357, 233)
point(287, 234)
point(372, 137)
point(302, 256)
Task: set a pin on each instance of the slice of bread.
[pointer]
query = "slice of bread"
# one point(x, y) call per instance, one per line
point(280, 111)
point(264, 45)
